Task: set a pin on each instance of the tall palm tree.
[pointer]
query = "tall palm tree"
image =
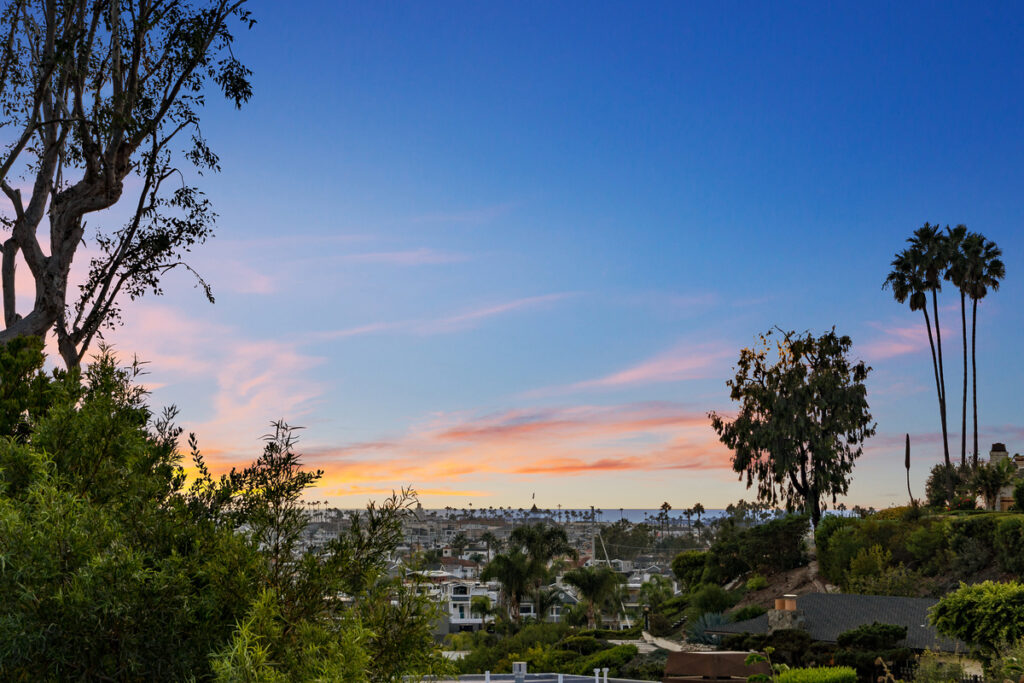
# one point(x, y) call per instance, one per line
point(595, 585)
point(956, 272)
point(909, 281)
point(512, 571)
point(932, 249)
point(984, 271)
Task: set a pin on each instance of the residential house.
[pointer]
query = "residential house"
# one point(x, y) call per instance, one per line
point(826, 615)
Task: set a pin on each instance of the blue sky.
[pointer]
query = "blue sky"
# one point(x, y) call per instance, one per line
point(497, 249)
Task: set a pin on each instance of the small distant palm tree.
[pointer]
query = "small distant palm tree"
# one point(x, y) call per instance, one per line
point(990, 479)
point(595, 585)
point(512, 571)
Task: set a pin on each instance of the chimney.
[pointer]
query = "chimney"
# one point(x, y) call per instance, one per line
point(998, 453)
point(786, 616)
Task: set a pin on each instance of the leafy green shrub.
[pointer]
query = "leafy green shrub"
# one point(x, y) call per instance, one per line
point(984, 615)
point(660, 625)
point(777, 545)
point(688, 566)
point(869, 562)
point(931, 668)
point(756, 583)
point(583, 645)
point(928, 544)
point(945, 479)
point(824, 674)
point(1018, 496)
point(726, 559)
point(898, 581)
point(1010, 544)
point(613, 658)
point(712, 598)
point(861, 647)
point(972, 542)
point(837, 544)
point(899, 512)
point(748, 612)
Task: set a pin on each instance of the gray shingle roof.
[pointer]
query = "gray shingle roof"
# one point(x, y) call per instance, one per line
point(829, 614)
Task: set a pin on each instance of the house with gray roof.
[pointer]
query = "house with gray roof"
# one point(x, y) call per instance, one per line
point(825, 615)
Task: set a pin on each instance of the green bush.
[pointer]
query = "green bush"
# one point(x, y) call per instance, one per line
point(1010, 544)
point(837, 543)
point(1018, 496)
point(933, 669)
point(583, 645)
point(824, 674)
point(613, 658)
point(972, 542)
point(861, 647)
point(712, 598)
point(984, 615)
point(898, 581)
point(756, 583)
point(928, 545)
point(688, 567)
point(777, 545)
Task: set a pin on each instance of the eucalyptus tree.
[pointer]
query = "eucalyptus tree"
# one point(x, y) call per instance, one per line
point(802, 419)
point(101, 99)
point(983, 271)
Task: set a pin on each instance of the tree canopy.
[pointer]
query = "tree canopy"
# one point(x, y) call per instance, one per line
point(100, 99)
point(116, 566)
point(802, 419)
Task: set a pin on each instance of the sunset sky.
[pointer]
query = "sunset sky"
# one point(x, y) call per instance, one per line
point(492, 250)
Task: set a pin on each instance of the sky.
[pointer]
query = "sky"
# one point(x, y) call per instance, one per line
point(508, 253)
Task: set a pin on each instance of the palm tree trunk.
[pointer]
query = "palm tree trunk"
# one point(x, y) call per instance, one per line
point(963, 422)
point(974, 371)
point(942, 377)
point(935, 368)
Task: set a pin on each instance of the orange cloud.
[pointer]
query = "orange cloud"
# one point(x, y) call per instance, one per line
point(579, 440)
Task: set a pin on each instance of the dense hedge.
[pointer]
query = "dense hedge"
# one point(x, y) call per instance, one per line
point(951, 546)
point(824, 674)
point(773, 546)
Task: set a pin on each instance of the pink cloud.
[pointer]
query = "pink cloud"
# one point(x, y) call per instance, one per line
point(895, 341)
point(576, 440)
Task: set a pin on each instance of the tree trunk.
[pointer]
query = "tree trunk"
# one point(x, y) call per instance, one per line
point(963, 422)
point(935, 368)
point(974, 372)
point(942, 378)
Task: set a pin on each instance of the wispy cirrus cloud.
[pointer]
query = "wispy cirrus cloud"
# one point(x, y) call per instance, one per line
point(682, 362)
point(422, 256)
point(448, 323)
point(483, 214)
